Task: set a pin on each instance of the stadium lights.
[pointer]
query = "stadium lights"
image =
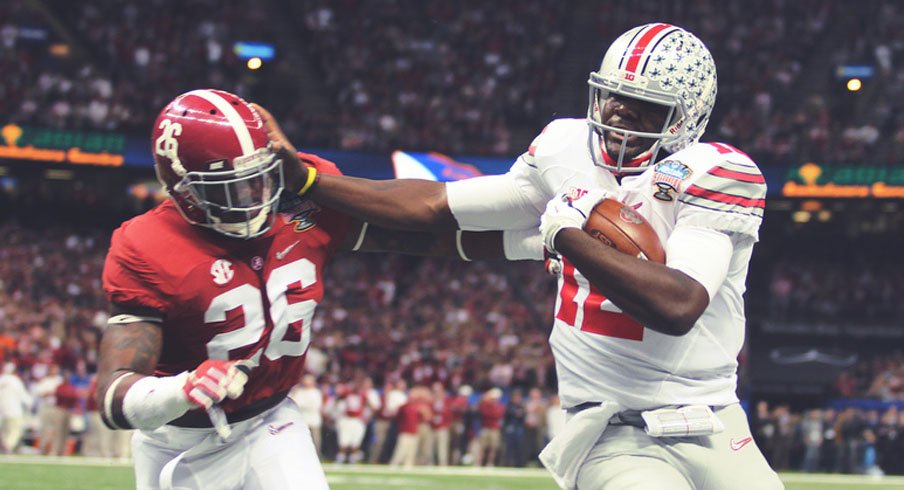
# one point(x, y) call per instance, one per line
point(801, 216)
point(854, 84)
point(254, 63)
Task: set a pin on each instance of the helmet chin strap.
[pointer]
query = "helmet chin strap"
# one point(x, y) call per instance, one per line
point(634, 162)
point(598, 145)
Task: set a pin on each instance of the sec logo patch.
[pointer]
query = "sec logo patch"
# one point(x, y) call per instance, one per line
point(222, 272)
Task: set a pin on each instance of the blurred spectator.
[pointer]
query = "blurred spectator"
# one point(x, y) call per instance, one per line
point(491, 412)
point(310, 400)
point(534, 424)
point(67, 399)
point(555, 417)
point(48, 414)
point(460, 418)
point(356, 403)
point(812, 434)
point(513, 430)
point(14, 404)
point(442, 420)
point(386, 425)
point(411, 415)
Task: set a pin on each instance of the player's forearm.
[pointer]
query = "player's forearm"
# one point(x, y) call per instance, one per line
point(660, 298)
point(128, 354)
point(449, 244)
point(408, 204)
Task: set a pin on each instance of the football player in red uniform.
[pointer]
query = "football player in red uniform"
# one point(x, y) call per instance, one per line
point(213, 293)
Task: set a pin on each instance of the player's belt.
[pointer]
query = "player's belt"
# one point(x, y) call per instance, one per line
point(198, 419)
point(627, 417)
point(634, 418)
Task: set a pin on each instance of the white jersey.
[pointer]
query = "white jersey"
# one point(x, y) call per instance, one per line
point(602, 354)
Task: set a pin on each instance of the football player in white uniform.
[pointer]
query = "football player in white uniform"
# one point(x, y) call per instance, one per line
point(646, 354)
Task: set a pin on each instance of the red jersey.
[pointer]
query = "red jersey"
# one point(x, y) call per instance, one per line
point(355, 403)
point(491, 413)
point(226, 298)
point(442, 413)
point(411, 414)
point(458, 407)
point(67, 396)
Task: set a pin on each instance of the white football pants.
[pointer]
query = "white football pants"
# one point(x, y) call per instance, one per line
point(626, 458)
point(272, 451)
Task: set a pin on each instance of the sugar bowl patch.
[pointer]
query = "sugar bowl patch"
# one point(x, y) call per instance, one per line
point(668, 176)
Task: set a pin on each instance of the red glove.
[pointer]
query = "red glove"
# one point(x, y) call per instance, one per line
point(214, 380)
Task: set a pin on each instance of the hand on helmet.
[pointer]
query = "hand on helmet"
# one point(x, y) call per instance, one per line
point(214, 380)
point(563, 212)
point(294, 169)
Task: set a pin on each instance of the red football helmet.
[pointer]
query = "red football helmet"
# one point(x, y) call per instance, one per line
point(212, 153)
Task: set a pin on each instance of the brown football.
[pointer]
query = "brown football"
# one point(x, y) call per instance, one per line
point(621, 227)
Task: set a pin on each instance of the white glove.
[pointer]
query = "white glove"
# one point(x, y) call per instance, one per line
point(564, 212)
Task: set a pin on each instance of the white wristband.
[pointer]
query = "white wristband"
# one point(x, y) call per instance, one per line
point(526, 244)
point(152, 402)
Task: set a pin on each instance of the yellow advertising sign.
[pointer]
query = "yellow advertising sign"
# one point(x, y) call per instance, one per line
point(844, 181)
point(59, 146)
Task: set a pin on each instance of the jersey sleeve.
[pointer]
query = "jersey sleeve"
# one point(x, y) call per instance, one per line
point(511, 201)
point(130, 283)
point(728, 197)
point(336, 224)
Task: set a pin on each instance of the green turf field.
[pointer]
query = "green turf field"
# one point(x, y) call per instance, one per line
point(36, 473)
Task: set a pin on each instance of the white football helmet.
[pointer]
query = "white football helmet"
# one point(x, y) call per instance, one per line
point(662, 64)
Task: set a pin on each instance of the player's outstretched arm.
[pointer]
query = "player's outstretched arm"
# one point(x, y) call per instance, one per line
point(409, 204)
point(466, 246)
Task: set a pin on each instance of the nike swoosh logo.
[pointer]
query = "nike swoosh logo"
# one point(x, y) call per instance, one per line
point(282, 253)
point(737, 445)
point(279, 428)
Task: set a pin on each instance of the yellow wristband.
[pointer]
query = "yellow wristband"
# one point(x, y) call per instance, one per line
point(312, 177)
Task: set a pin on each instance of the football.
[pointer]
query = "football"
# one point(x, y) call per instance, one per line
point(621, 227)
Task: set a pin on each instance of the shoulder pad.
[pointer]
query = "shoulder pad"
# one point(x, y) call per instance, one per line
point(721, 180)
point(559, 135)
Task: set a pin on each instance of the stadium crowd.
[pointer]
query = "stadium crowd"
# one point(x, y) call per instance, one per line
point(816, 290)
point(461, 368)
point(463, 80)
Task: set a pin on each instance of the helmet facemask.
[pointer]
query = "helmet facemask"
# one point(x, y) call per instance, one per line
point(623, 162)
point(238, 203)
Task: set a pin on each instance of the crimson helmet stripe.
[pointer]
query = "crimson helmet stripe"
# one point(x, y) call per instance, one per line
point(232, 116)
point(635, 53)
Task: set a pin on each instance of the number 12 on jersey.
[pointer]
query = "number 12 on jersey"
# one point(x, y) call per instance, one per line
point(580, 305)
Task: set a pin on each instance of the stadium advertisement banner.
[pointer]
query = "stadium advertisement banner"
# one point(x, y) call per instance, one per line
point(847, 181)
point(48, 145)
